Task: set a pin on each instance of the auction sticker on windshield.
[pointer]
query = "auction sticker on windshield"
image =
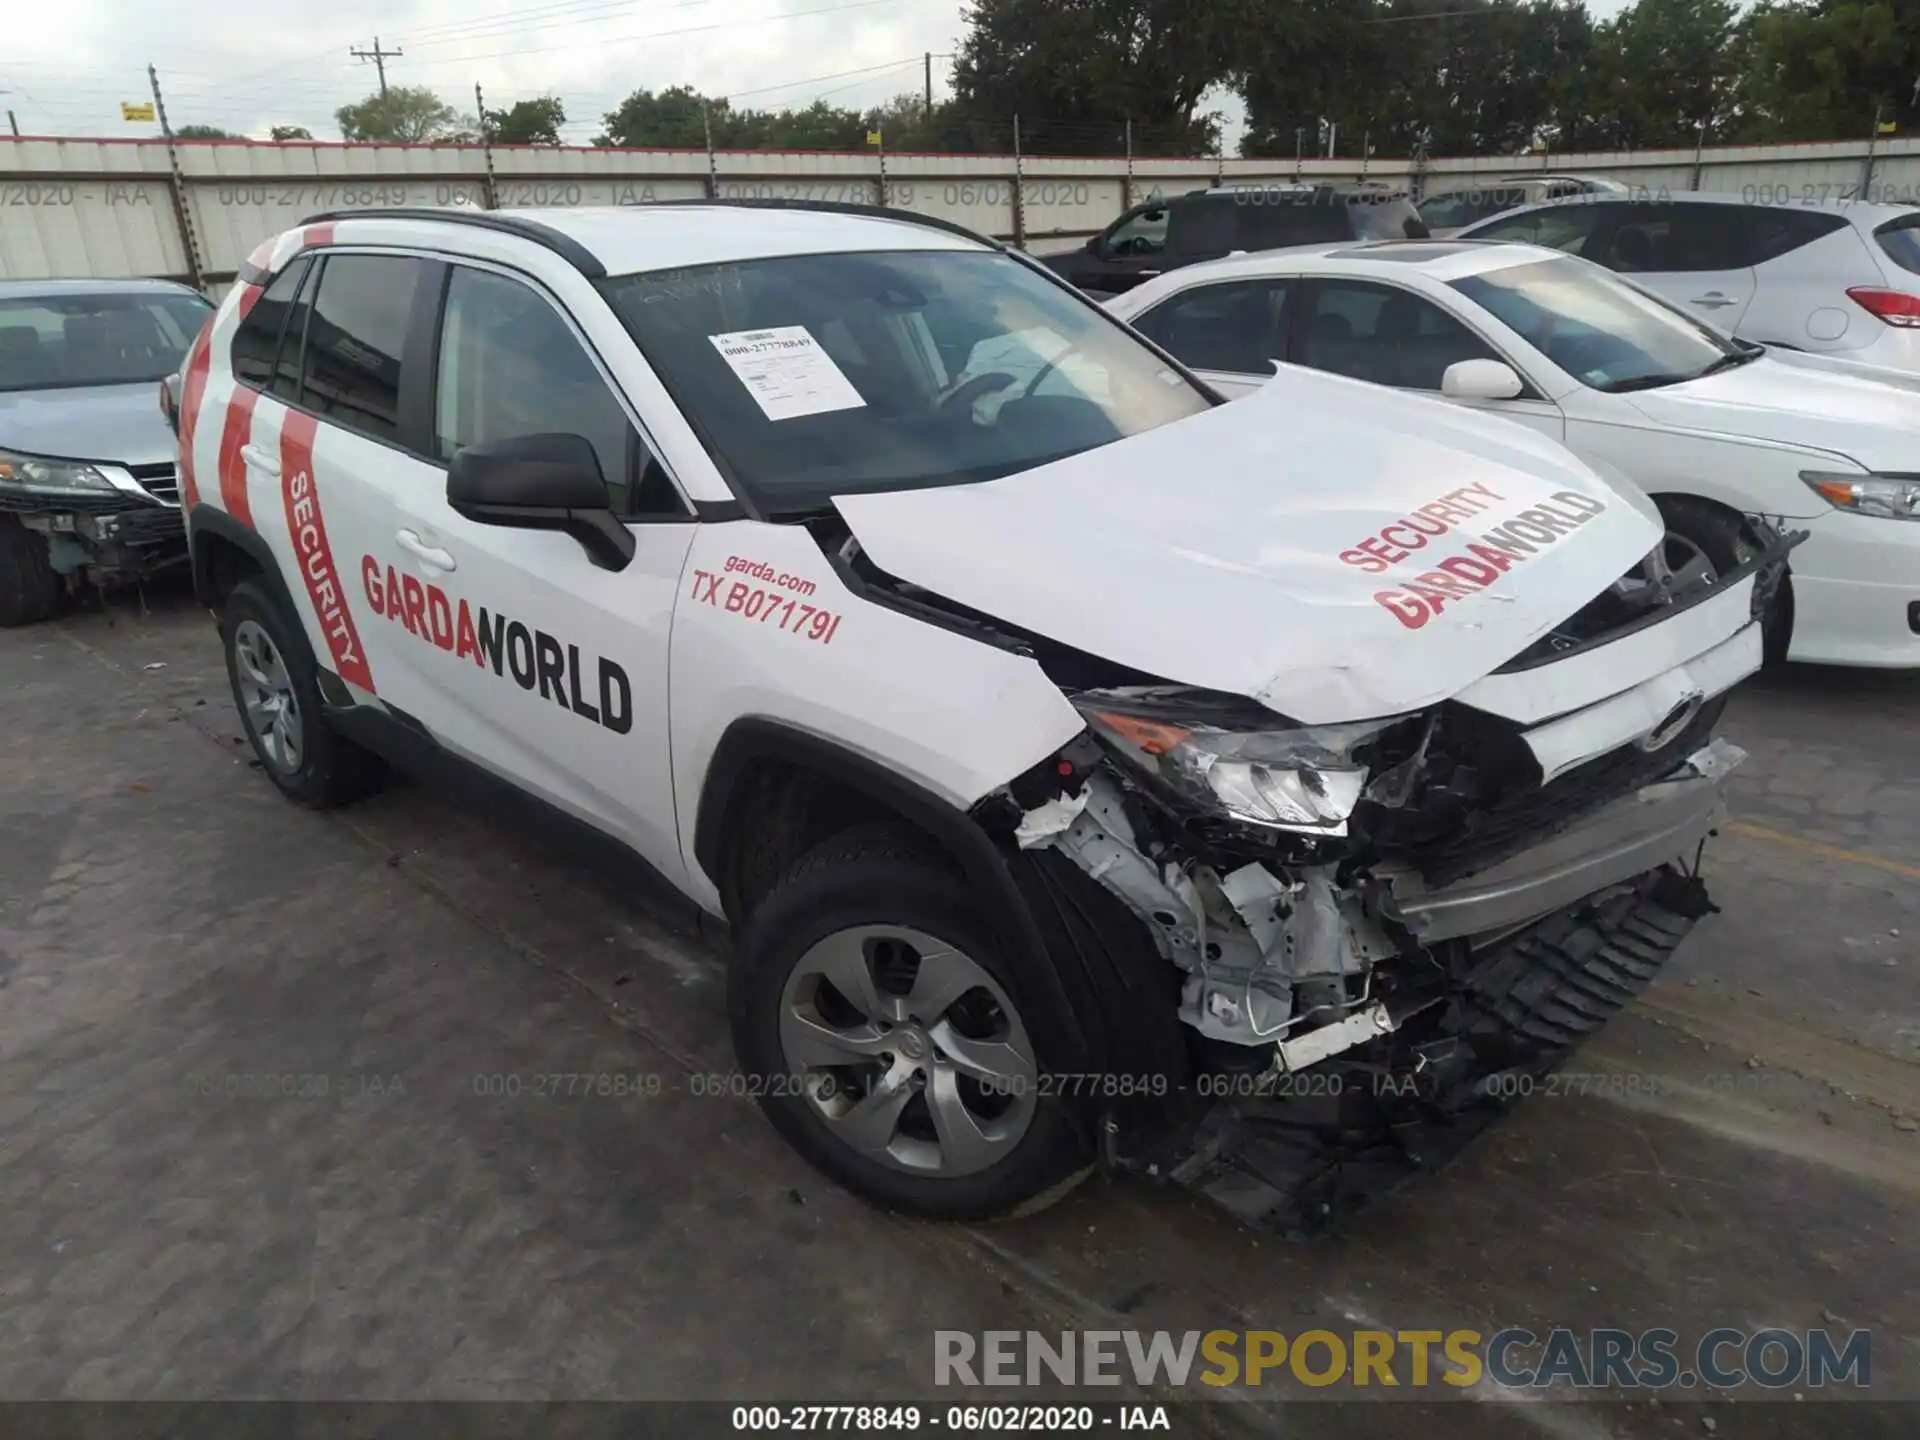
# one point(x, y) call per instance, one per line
point(787, 372)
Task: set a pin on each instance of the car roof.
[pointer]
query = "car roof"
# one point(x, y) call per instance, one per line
point(48, 289)
point(1860, 211)
point(1441, 260)
point(631, 239)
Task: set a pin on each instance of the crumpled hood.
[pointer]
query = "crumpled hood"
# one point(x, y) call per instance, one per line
point(1332, 549)
point(116, 424)
point(1864, 412)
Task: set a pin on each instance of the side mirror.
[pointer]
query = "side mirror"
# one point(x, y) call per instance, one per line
point(1095, 244)
point(541, 482)
point(170, 400)
point(1480, 380)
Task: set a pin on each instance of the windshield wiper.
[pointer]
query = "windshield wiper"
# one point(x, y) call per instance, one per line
point(1732, 361)
point(1644, 382)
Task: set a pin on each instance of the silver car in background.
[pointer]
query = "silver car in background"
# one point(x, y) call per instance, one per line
point(1449, 208)
point(88, 488)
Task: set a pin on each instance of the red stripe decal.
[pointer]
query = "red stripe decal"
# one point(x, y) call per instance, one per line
point(248, 294)
point(191, 393)
point(316, 235)
point(308, 531)
point(233, 470)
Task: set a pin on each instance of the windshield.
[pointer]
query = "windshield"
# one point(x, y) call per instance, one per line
point(58, 342)
point(809, 376)
point(1601, 330)
point(1463, 207)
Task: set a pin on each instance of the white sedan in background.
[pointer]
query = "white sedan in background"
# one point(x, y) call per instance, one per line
point(1716, 429)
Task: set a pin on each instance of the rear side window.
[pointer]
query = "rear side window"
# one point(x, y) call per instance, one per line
point(1203, 225)
point(1900, 241)
point(355, 338)
point(1238, 327)
point(286, 372)
point(256, 344)
point(1772, 233)
point(1274, 220)
point(1675, 238)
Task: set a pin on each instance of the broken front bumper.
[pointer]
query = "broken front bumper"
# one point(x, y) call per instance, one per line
point(128, 544)
point(1637, 833)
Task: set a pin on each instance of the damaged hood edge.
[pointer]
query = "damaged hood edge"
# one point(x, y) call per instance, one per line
point(1332, 549)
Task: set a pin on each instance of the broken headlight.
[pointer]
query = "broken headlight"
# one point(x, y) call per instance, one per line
point(33, 475)
point(1227, 754)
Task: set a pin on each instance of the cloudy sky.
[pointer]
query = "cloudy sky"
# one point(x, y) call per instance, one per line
point(67, 64)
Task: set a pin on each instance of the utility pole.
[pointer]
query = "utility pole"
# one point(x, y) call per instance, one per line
point(379, 58)
point(178, 185)
point(492, 191)
point(713, 168)
point(1019, 191)
point(929, 65)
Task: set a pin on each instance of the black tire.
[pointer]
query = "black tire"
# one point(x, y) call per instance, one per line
point(882, 875)
point(1550, 989)
point(332, 769)
point(1726, 539)
point(30, 588)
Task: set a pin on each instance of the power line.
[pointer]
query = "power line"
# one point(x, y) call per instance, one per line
point(820, 79)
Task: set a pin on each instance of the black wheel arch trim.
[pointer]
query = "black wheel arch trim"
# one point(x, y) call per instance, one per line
point(753, 739)
point(204, 520)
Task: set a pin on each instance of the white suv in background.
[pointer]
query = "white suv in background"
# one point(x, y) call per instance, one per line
point(1837, 278)
point(1054, 738)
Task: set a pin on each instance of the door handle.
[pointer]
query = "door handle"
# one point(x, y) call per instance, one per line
point(1714, 300)
point(260, 460)
point(1146, 274)
point(425, 553)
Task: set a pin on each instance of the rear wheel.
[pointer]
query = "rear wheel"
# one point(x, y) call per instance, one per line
point(29, 586)
point(887, 1040)
point(276, 690)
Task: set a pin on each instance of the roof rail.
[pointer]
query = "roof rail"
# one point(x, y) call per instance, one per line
point(565, 246)
point(831, 207)
point(588, 264)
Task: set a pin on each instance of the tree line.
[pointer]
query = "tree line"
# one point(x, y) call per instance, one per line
point(1443, 77)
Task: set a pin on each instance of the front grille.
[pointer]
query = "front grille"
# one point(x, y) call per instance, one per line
point(161, 481)
point(1479, 799)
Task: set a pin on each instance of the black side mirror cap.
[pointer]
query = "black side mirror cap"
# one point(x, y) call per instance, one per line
point(170, 400)
point(541, 482)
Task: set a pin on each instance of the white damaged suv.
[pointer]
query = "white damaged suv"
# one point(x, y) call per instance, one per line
point(1088, 770)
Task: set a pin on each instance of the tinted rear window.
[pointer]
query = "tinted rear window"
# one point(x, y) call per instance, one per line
point(1203, 225)
point(355, 336)
point(1900, 239)
point(1773, 232)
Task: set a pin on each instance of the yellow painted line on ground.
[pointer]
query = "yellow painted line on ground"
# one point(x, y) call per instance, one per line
point(1748, 830)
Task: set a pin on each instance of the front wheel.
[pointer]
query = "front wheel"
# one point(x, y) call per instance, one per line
point(1726, 542)
point(276, 690)
point(29, 585)
point(888, 1042)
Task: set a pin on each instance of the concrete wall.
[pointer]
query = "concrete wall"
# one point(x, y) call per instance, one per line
point(117, 207)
